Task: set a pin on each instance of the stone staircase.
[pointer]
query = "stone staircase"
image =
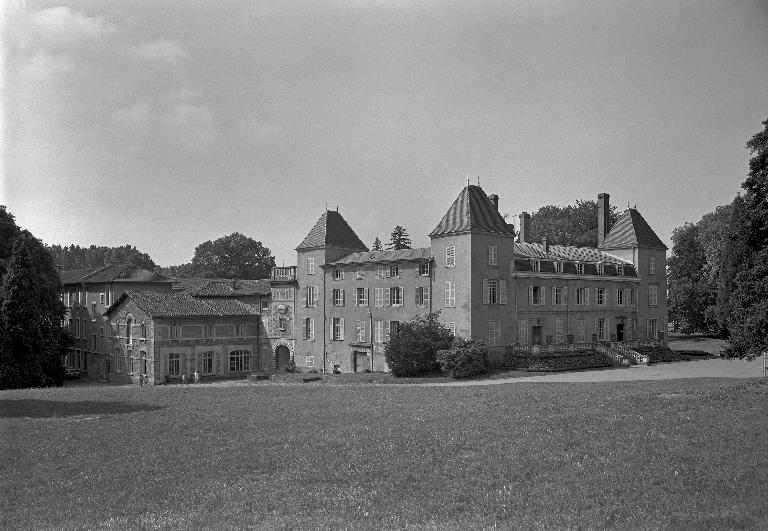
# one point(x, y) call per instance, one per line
point(634, 356)
point(615, 355)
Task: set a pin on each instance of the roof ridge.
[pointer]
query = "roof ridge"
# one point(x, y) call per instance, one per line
point(97, 270)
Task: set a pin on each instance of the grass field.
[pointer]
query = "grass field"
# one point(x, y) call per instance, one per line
point(677, 453)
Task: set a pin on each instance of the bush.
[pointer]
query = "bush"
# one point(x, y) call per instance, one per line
point(467, 357)
point(412, 349)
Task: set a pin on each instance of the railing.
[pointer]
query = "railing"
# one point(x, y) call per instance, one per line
point(609, 352)
point(284, 273)
point(630, 353)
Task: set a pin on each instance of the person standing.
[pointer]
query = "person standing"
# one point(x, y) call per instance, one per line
point(197, 377)
point(183, 378)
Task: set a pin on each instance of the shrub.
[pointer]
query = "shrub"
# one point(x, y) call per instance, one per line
point(466, 357)
point(412, 348)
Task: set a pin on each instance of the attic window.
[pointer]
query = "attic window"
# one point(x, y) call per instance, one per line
point(579, 269)
point(620, 270)
point(600, 269)
point(536, 265)
point(338, 274)
point(558, 267)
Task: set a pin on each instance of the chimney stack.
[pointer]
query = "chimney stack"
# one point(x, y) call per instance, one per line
point(545, 244)
point(524, 235)
point(603, 210)
point(495, 200)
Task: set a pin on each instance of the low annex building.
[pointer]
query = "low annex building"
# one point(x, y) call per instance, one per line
point(167, 335)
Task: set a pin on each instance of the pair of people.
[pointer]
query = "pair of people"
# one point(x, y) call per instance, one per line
point(196, 376)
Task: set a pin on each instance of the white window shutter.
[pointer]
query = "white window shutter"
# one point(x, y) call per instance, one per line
point(342, 328)
point(312, 329)
point(331, 334)
point(502, 291)
point(486, 294)
point(530, 295)
point(314, 296)
point(304, 300)
point(388, 297)
point(565, 296)
point(543, 295)
point(553, 295)
point(402, 296)
point(586, 296)
point(367, 296)
point(426, 297)
point(354, 297)
point(416, 296)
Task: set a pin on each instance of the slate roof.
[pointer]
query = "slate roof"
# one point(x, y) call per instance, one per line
point(174, 304)
point(116, 271)
point(566, 253)
point(221, 287)
point(472, 212)
point(631, 230)
point(416, 255)
point(332, 230)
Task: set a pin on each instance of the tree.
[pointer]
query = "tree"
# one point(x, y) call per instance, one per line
point(376, 244)
point(744, 275)
point(574, 225)
point(399, 239)
point(412, 348)
point(233, 256)
point(76, 257)
point(32, 341)
point(688, 293)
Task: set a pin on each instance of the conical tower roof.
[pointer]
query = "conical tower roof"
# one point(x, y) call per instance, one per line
point(631, 231)
point(472, 212)
point(332, 230)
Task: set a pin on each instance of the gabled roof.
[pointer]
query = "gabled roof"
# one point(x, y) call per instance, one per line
point(173, 304)
point(566, 253)
point(116, 271)
point(332, 230)
point(220, 287)
point(403, 255)
point(472, 212)
point(632, 231)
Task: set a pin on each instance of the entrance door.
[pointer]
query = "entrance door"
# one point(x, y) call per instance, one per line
point(282, 356)
point(360, 361)
point(620, 332)
point(536, 335)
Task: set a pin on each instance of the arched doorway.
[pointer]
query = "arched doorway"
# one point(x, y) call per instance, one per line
point(282, 356)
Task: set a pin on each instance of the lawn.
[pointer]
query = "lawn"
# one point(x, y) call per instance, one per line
point(675, 453)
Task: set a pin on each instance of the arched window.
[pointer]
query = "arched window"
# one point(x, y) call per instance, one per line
point(129, 330)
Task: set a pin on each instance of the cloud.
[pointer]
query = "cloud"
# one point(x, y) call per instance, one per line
point(192, 126)
point(43, 66)
point(160, 52)
point(58, 26)
point(136, 118)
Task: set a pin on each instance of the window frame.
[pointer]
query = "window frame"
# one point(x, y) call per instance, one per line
point(493, 255)
point(450, 294)
point(494, 333)
point(450, 256)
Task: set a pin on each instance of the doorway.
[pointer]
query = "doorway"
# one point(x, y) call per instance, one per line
point(282, 356)
point(536, 335)
point(360, 361)
point(620, 332)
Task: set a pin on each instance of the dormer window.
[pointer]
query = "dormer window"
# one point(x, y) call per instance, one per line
point(360, 274)
point(620, 270)
point(600, 269)
point(536, 265)
point(394, 271)
point(338, 274)
point(579, 269)
point(558, 267)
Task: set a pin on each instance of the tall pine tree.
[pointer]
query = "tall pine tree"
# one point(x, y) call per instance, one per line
point(744, 275)
point(399, 239)
point(376, 244)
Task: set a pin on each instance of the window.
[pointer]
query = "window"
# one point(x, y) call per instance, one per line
point(422, 297)
point(490, 291)
point(174, 331)
point(281, 324)
point(558, 296)
point(310, 296)
point(629, 330)
point(239, 361)
point(652, 328)
point(206, 361)
point(620, 270)
point(397, 296)
point(558, 267)
point(109, 297)
point(493, 255)
point(579, 269)
point(309, 329)
point(264, 304)
point(450, 294)
point(359, 274)
point(310, 361)
point(581, 331)
point(93, 311)
point(582, 296)
point(361, 296)
point(494, 333)
point(619, 297)
point(536, 265)
point(143, 330)
point(338, 274)
point(129, 330)
point(536, 295)
point(310, 266)
point(653, 295)
point(381, 271)
point(450, 256)
point(600, 296)
point(338, 297)
point(451, 328)
point(600, 269)
point(652, 265)
point(379, 335)
point(523, 334)
point(174, 364)
point(282, 294)
point(559, 331)
point(379, 295)
point(601, 328)
point(69, 302)
point(360, 331)
point(101, 298)
point(337, 329)
point(93, 343)
point(77, 328)
point(629, 296)
point(101, 332)
point(394, 271)
point(424, 270)
point(393, 327)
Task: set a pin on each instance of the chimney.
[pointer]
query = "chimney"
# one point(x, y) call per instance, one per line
point(545, 243)
point(524, 236)
point(495, 200)
point(603, 209)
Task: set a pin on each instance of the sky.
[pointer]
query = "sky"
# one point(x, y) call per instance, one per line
point(164, 124)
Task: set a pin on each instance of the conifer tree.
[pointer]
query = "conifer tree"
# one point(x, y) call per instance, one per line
point(399, 239)
point(376, 244)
